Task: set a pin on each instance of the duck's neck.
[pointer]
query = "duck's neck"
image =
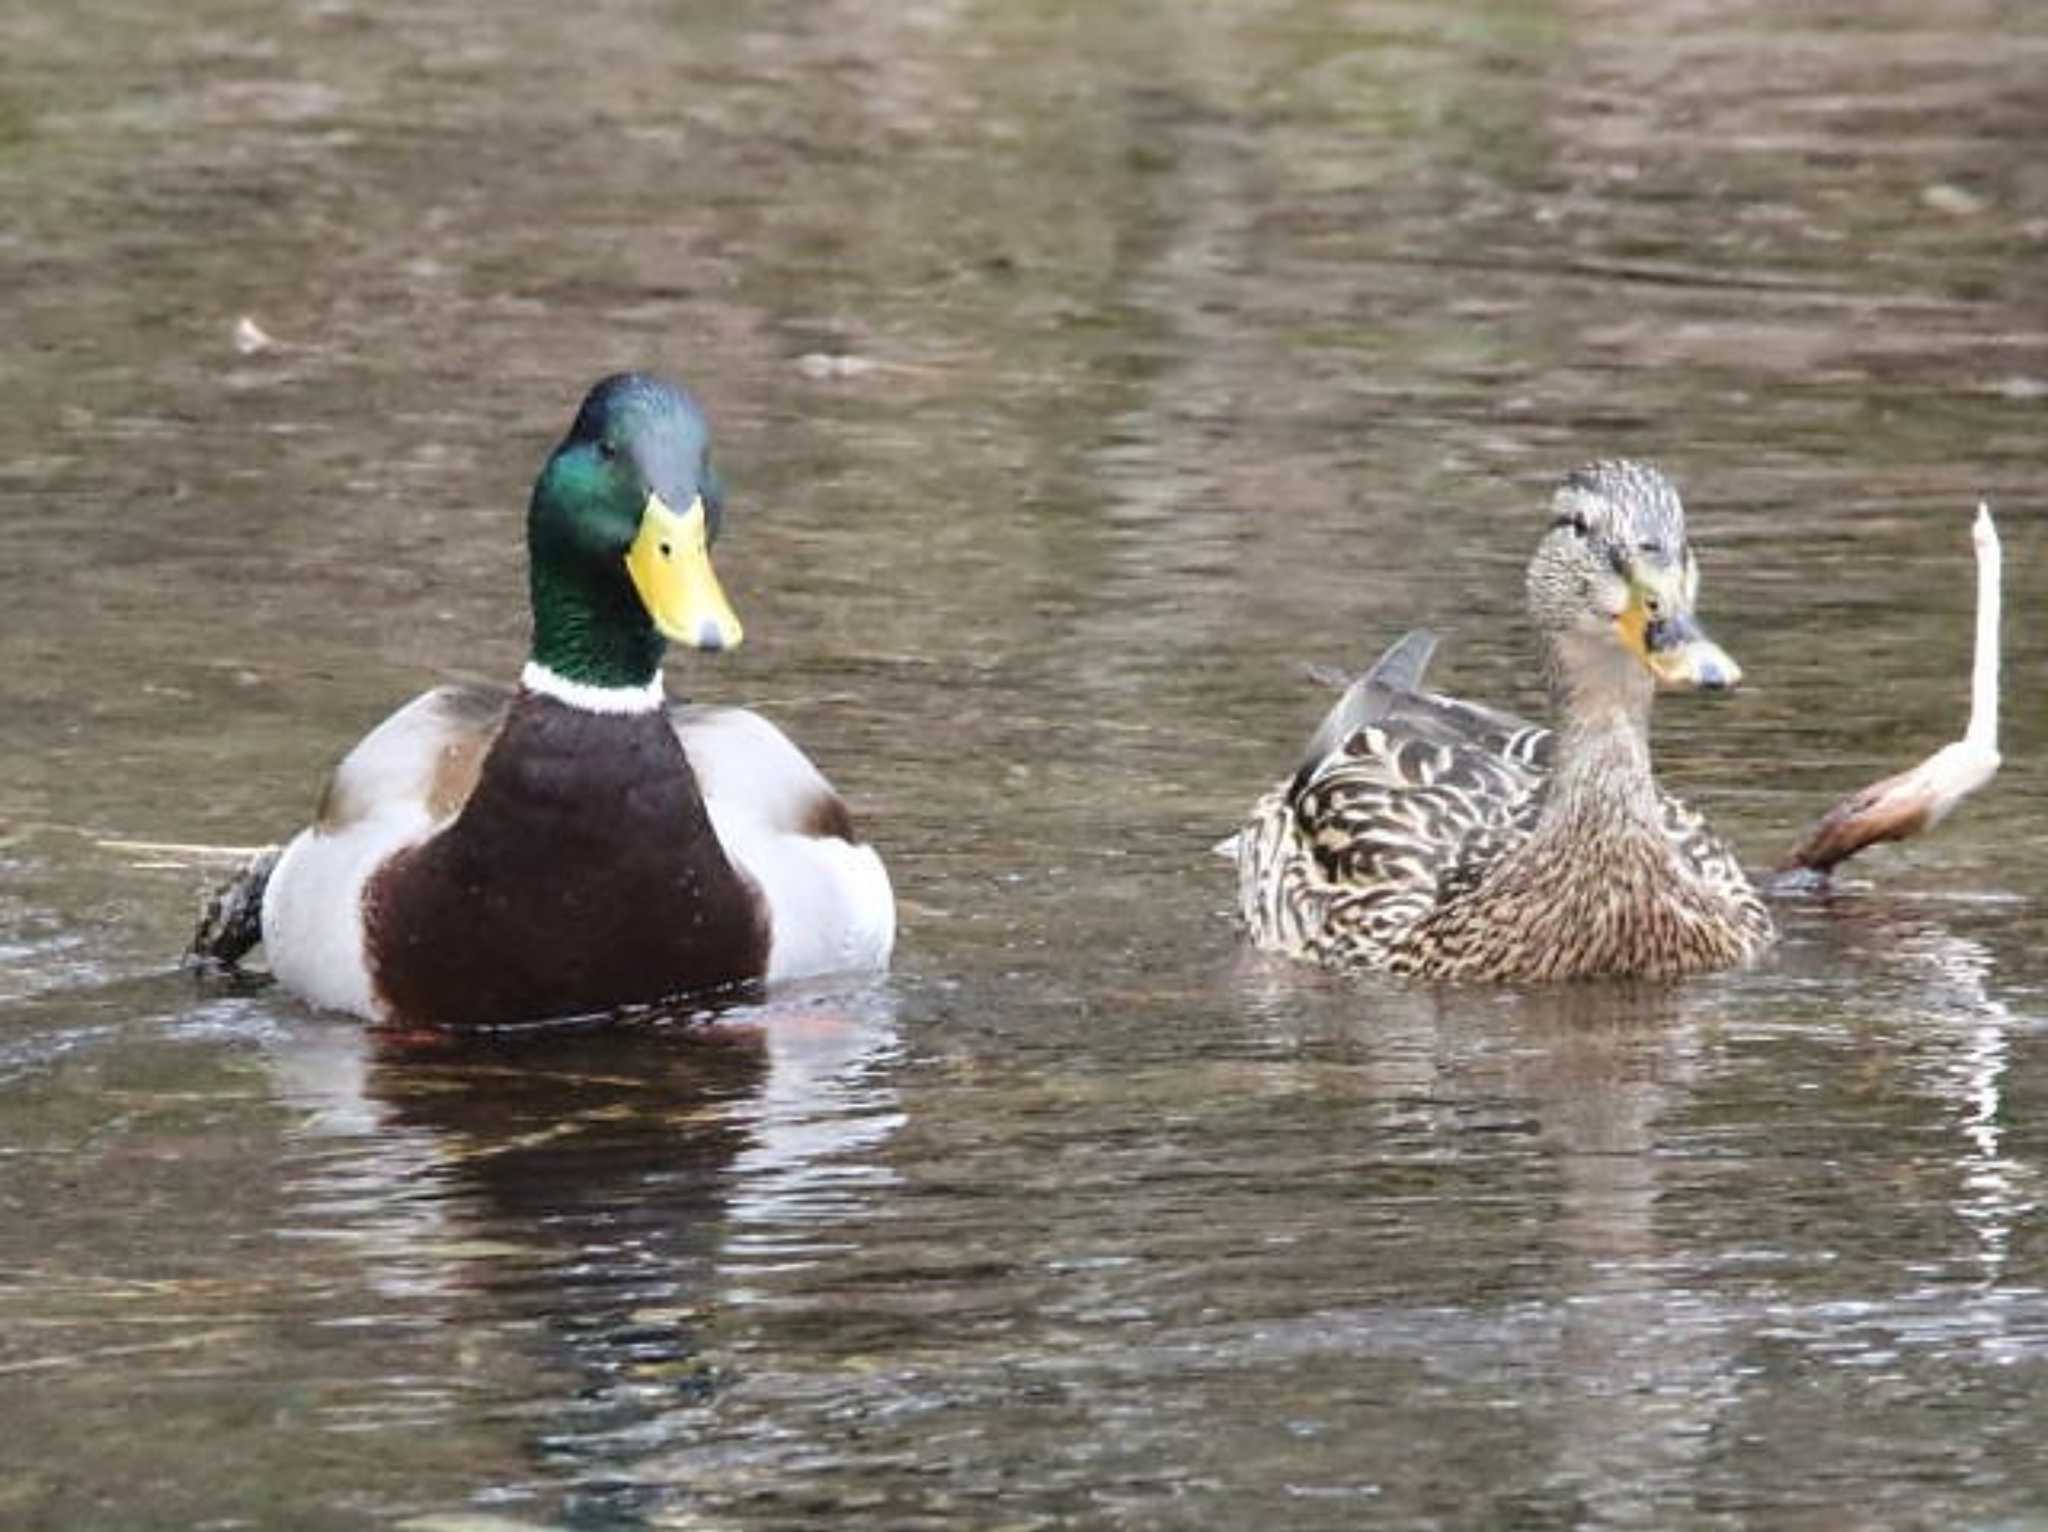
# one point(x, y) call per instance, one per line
point(1601, 699)
point(592, 634)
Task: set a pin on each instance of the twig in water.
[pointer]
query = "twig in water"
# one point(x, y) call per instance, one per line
point(1915, 801)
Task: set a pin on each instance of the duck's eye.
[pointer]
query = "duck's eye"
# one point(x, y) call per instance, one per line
point(1575, 520)
point(605, 449)
point(1650, 548)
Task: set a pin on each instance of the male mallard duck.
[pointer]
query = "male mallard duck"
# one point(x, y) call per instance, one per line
point(1432, 837)
point(491, 855)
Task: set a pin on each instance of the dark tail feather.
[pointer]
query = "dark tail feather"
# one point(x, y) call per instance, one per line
point(232, 921)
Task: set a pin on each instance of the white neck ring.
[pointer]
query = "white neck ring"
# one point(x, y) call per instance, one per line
point(647, 698)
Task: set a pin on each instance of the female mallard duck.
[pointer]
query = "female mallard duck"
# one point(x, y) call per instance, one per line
point(1432, 837)
point(491, 855)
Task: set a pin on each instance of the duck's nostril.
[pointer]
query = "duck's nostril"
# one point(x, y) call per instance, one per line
point(664, 550)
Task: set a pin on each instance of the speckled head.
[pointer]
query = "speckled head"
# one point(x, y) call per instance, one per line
point(619, 532)
point(1615, 568)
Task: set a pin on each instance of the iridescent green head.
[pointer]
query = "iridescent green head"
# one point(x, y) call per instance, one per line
point(618, 536)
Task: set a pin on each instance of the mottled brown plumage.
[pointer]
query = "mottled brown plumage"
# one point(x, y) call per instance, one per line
point(1432, 837)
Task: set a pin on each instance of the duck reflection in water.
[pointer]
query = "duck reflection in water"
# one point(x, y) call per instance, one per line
point(589, 1183)
point(1885, 956)
point(1679, 1214)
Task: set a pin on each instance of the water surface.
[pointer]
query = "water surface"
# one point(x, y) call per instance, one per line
point(1080, 374)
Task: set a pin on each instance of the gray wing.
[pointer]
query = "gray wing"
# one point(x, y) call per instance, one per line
point(1397, 780)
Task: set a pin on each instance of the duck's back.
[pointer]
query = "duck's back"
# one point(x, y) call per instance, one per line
point(1340, 865)
point(1397, 785)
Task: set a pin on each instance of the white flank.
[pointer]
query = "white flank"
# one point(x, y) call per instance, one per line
point(830, 906)
point(313, 905)
point(536, 677)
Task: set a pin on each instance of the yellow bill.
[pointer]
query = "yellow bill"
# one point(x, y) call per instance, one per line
point(1694, 662)
point(670, 562)
point(1674, 647)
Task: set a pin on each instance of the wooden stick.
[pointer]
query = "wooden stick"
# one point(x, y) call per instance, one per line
point(1983, 730)
point(181, 848)
point(1915, 801)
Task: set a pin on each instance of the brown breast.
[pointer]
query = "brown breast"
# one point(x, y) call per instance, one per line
point(582, 874)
